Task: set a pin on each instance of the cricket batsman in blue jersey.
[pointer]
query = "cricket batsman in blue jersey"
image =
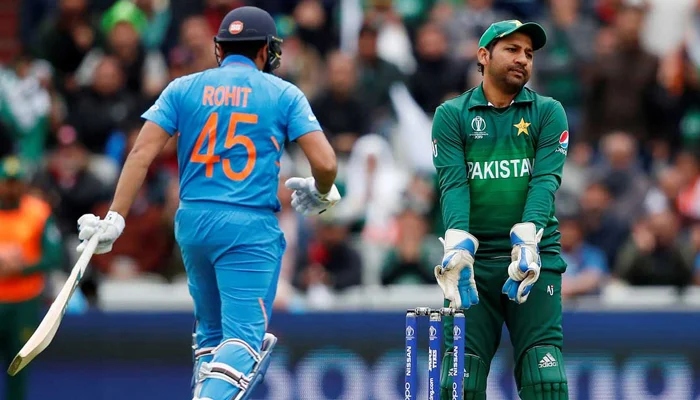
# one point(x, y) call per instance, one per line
point(231, 124)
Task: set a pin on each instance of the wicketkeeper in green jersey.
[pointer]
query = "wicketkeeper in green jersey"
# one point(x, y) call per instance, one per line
point(499, 150)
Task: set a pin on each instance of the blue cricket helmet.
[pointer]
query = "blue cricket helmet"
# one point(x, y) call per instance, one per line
point(251, 24)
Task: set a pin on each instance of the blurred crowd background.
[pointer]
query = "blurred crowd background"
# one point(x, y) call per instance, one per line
point(627, 72)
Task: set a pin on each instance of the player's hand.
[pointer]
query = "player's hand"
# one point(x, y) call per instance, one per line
point(456, 273)
point(108, 229)
point(306, 198)
point(524, 269)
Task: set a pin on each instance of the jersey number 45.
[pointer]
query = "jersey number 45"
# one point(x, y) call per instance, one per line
point(209, 158)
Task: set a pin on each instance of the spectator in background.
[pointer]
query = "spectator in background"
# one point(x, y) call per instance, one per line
point(196, 40)
point(100, 109)
point(65, 38)
point(159, 18)
point(587, 267)
point(314, 26)
point(688, 164)
point(655, 254)
point(69, 187)
point(577, 170)
point(560, 64)
point(601, 226)
point(466, 22)
point(393, 38)
point(376, 77)
point(25, 107)
point(437, 74)
point(333, 264)
point(664, 195)
point(302, 64)
point(145, 71)
point(58, 109)
point(623, 93)
point(338, 107)
point(412, 259)
point(620, 171)
point(374, 185)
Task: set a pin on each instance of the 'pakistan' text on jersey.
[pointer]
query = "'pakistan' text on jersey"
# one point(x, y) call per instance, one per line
point(498, 167)
point(232, 124)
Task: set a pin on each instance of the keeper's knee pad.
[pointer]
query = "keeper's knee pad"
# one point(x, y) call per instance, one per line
point(541, 374)
point(475, 377)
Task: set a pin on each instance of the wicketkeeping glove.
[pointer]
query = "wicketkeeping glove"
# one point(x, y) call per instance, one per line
point(108, 229)
point(524, 269)
point(456, 273)
point(306, 198)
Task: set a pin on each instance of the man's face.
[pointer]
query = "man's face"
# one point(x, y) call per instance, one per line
point(367, 46)
point(510, 61)
point(342, 75)
point(431, 43)
point(628, 24)
point(124, 39)
point(108, 77)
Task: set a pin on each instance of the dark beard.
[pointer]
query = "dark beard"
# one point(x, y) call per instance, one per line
point(511, 86)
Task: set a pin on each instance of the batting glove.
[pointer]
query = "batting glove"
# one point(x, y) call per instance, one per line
point(306, 198)
point(525, 266)
point(456, 273)
point(108, 229)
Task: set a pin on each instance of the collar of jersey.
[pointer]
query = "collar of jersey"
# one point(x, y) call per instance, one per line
point(236, 59)
point(479, 100)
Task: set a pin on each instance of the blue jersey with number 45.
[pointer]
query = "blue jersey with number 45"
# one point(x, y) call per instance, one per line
point(232, 123)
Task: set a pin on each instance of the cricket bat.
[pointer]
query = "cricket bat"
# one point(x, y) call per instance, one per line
point(43, 335)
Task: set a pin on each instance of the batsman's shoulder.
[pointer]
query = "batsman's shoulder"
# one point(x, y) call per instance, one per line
point(282, 85)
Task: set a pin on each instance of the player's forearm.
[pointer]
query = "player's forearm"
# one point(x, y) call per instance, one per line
point(454, 197)
point(540, 200)
point(324, 175)
point(130, 181)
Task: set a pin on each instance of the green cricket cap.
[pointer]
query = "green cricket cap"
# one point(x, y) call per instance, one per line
point(11, 168)
point(501, 29)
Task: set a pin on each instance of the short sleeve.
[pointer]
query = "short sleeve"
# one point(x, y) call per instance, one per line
point(300, 117)
point(164, 111)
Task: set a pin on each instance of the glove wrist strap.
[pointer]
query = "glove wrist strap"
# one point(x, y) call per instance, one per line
point(116, 219)
point(454, 237)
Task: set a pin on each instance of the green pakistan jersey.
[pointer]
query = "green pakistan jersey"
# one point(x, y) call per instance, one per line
point(498, 167)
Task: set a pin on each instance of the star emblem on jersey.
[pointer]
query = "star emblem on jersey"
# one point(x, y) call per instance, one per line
point(522, 126)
